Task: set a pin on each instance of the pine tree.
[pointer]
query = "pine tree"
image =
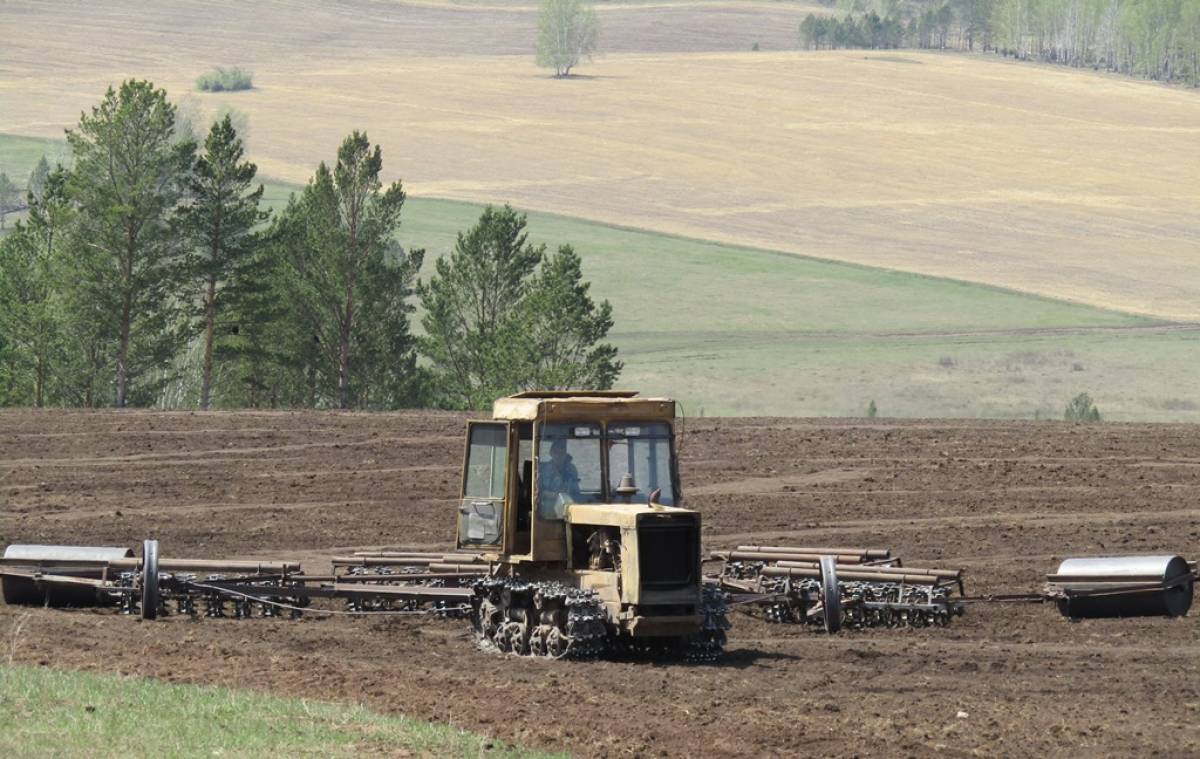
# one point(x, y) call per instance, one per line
point(29, 320)
point(221, 222)
point(501, 316)
point(471, 337)
point(9, 194)
point(127, 183)
point(347, 278)
point(563, 328)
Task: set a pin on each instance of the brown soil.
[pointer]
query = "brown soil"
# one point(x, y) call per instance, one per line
point(1003, 500)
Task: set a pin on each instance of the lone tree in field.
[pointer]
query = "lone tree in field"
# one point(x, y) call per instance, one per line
point(568, 31)
point(127, 184)
point(349, 281)
point(221, 222)
point(1082, 409)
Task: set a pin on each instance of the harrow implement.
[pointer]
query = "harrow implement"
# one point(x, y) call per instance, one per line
point(839, 587)
point(847, 588)
point(151, 585)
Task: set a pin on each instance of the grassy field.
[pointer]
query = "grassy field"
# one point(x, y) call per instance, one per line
point(18, 155)
point(76, 714)
point(1043, 179)
point(1001, 178)
point(742, 331)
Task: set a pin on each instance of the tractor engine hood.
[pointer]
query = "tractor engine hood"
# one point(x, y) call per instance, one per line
point(621, 514)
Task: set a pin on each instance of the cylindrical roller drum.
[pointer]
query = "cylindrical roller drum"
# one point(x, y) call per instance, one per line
point(21, 590)
point(1125, 586)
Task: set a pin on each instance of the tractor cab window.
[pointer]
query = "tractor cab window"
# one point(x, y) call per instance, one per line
point(569, 469)
point(486, 461)
point(644, 451)
point(481, 513)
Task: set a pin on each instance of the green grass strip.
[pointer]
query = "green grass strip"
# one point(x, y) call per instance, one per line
point(46, 712)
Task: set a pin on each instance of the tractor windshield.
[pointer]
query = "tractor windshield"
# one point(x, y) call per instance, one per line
point(644, 451)
point(569, 469)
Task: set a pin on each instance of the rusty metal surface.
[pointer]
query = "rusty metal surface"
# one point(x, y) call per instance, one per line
point(789, 584)
point(848, 558)
point(866, 553)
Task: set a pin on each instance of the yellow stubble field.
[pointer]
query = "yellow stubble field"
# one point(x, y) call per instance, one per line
point(1064, 183)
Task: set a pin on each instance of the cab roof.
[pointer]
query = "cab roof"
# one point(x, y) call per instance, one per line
point(583, 406)
point(576, 394)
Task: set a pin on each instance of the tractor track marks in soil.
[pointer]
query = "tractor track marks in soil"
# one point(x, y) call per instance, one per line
point(1006, 500)
point(1022, 520)
point(771, 485)
point(203, 508)
point(218, 454)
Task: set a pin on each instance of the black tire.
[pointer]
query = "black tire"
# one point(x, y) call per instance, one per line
point(150, 579)
point(831, 596)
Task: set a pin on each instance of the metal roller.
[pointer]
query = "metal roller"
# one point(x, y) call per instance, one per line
point(1123, 586)
point(92, 560)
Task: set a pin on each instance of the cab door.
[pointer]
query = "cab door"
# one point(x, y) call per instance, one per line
point(485, 487)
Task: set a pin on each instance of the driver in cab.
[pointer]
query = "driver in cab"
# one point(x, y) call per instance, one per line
point(558, 481)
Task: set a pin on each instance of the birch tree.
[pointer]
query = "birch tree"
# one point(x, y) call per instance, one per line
point(568, 32)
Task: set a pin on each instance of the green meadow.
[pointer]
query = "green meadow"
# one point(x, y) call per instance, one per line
point(744, 331)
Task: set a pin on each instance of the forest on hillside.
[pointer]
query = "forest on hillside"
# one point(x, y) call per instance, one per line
point(147, 274)
point(1155, 39)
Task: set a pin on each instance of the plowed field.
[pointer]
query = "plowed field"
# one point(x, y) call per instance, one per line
point(1003, 500)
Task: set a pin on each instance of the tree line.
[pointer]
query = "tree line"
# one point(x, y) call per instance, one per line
point(148, 274)
point(1156, 39)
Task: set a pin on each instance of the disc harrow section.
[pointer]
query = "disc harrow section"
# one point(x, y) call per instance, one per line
point(153, 586)
point(839, 587)
point(409, 568)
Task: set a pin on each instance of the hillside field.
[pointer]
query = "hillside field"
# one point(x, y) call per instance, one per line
point(715, 234)
point(740, 331)
point(1061, 182)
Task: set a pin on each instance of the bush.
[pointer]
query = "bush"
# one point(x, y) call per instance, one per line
point(223, 79)
point(872, 410)
point(1081, 409)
